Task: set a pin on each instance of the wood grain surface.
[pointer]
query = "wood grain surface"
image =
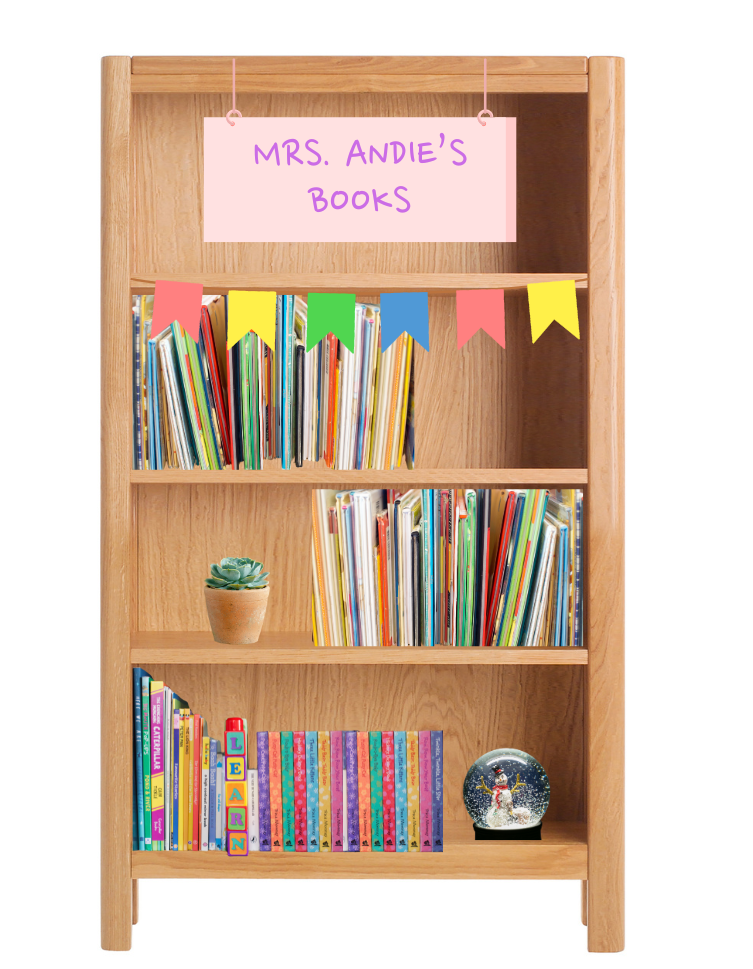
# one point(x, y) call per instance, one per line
point(605, 617)
point(561, 853)
point(116, 590)
point(320, 476)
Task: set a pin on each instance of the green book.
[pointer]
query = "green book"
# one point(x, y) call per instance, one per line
point(146, 741)
point(201, 400)
point(377, 807)
point(188, 392)
point(525, 584)
point(517, 567)
point(288, 793)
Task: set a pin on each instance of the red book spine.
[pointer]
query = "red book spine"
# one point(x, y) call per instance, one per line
point(383, 584)
point(198, 732)
point(214, 376)
point(299, 787)
point(499, 568)
point(331, 416)
point(388, 788)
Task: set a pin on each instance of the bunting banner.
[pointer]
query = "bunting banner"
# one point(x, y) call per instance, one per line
point(251, 312)
point(179, 302)
point(404, 313)
point(331, 313)
point(480, 309)
point(553, 303)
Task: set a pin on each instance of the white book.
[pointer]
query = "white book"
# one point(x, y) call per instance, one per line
point(325, 499)
point(410, 507)
point(384, 397)
point(343, 498)
point(253, 809)
point(541, 589)
point(219, 831)
point(345, 810)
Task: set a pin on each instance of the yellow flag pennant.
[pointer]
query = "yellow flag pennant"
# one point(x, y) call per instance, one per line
point(247, 312)
point(553, 303)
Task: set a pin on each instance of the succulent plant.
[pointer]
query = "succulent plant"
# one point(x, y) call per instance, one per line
point(237, 574)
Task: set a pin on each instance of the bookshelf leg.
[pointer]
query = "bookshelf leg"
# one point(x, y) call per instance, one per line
point(135, 900)
point(583, 902)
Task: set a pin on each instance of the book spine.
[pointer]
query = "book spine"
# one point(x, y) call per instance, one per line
point(339, 833)
point(205, 793)
point(364, 791)
point(262, 765)
point(351, 771)
point(288, 790)
point(275, 790)
point(424, 780)
point(299, 775)
point(437, 784)
point(146, 758)
point(401, 791)
point(198, 733)
point(325, 796)
point(158, 764)
point(212, 795)
point(175, 843)
point(138, 750)
point(312, 790)
point(219, 821)
point(188, 783)
point(414, 814)
point(388, 788)
point(253, 809)
point(377, 810)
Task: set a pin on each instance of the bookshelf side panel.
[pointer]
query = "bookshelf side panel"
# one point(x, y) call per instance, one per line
point(116, 743)
point(606, 501)
point(537, 709)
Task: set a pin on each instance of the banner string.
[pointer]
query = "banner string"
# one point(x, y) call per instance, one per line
point(235, 111)
point(485, 110)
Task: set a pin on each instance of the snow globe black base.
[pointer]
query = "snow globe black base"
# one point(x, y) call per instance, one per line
point(508, 834)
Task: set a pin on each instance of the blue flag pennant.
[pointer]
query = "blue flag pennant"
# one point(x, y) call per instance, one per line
point(404, 313)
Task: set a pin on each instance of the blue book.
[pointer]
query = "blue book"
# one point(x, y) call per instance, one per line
point(138, 756)
point(437, 790)
point(351, 770)
point(401, 791)
point(156, 407)
point(312, 789)
point(262, 763)
point(149, 408)
point(212, 795)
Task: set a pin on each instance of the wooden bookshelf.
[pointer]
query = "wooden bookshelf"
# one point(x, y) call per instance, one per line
point(545, 415)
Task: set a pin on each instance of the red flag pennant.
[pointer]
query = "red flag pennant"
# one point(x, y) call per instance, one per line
point(177, 301)
point(480, 309)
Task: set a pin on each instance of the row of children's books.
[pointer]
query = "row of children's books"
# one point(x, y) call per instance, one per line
point(200, 404)
point(310, 791)
point(448, 567)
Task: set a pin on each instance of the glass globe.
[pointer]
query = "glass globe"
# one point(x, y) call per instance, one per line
point(508, 789)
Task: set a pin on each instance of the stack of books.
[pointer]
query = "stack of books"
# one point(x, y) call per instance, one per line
point(448, 567)
point(198, 404)
point(179, 789)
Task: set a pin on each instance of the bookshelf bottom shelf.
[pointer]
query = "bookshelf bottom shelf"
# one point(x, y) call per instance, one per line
point(561, 853)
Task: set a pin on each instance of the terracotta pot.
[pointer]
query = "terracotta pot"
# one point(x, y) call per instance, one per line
point(236, 615)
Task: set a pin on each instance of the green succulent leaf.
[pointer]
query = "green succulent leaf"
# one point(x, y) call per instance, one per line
point(215, 583)
point(237, 574)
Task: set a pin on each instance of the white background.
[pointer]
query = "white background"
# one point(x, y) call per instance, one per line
point(688, 507)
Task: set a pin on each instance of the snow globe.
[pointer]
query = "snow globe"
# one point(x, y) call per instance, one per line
point(506, 792)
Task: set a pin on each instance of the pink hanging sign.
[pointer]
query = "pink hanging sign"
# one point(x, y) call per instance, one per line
point(359, 180)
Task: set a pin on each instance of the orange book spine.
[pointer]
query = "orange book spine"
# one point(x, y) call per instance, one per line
point(275, 790)
point(319, 569)
point(393, 404)
point(364, 790)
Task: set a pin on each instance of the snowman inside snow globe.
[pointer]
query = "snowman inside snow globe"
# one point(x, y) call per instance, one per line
point(500, 807)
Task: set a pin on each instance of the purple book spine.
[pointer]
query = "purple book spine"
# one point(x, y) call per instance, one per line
point(336, 797)
point(158, 762)
point(351, 767)
point(426, 801)
point(437, 783)
point(262, 763)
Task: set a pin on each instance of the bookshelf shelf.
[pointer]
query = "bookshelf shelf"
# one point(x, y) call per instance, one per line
point(561, 853)
point(362, 284)
point(324, 477)
point(295, 648)
point(527, 415)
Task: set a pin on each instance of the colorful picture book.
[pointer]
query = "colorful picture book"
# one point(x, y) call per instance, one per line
point(202, 405)
point(310, 791)
point(448, 567)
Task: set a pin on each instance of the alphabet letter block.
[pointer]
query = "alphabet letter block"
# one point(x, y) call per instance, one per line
point(236, 794)
point(237, 843)
point(235, 743)
point(235, 768)
point(237, 818)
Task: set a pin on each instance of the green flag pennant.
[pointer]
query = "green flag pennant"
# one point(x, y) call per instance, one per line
point(331, 313)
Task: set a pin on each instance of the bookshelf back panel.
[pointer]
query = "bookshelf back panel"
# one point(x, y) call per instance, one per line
point(167, 187)
point(182, 529)
point(537, 709)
